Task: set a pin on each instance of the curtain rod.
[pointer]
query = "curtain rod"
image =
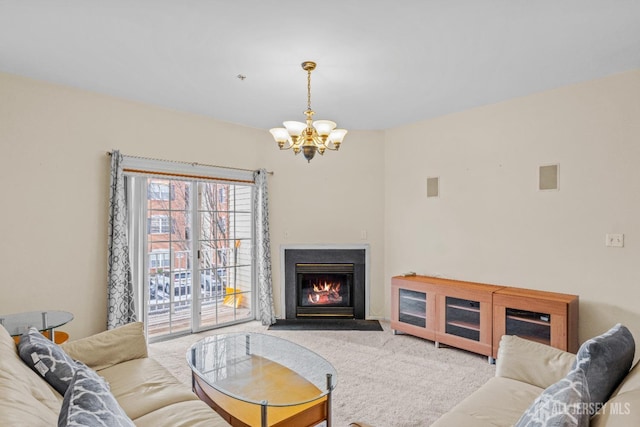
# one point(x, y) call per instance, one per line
point(191, 163)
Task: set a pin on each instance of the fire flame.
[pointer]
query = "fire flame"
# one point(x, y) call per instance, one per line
point(325, 293)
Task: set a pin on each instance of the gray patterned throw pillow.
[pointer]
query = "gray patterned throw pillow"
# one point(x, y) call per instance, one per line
point(89, 402)
point(48, 359)
point(606, 360)
point(563, 404)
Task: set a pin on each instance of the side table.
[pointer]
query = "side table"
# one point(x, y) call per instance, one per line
point(45, 321)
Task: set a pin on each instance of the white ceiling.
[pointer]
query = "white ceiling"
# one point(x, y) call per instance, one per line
point(381, 63)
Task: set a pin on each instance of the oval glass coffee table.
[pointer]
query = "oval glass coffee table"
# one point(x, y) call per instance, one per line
point(254, 379)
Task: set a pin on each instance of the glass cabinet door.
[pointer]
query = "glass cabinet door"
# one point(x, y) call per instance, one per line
point(463, 318)
point(412, 307)
point(531, 325)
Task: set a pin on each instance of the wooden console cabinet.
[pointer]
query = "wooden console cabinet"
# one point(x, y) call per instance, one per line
point(474, 316)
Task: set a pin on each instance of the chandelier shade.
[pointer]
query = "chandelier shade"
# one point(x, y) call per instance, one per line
point(312, 136)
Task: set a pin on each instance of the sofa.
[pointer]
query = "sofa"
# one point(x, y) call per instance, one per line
point(145, 393)
point(538, 385)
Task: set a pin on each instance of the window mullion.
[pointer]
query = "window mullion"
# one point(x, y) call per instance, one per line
point(194, 200)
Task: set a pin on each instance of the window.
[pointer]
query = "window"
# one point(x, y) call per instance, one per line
point(159, 259)
point(159, 191)
point(159, 224)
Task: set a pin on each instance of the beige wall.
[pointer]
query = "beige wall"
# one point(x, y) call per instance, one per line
point(491, 224)
point(54, 171)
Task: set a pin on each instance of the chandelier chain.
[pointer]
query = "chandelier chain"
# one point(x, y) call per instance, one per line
point(308, 89)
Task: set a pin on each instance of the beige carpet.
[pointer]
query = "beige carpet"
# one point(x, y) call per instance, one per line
point(383, 379)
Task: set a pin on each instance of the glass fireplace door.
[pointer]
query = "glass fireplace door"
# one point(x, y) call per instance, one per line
point(324, 290)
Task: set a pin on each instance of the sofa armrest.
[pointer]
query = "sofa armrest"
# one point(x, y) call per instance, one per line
point(110, 347)
point(531, 362)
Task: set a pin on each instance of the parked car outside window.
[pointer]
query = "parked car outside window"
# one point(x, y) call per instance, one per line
point(209, 286)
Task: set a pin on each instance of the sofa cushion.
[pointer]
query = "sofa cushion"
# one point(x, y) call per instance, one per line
point(531, 362)
point(27, 399)
point(88, 402)
point(498, 402)
point(630, 383)
point(565, 403)
point(191, 413)
point(110, 347)
point(134, 378)
point(606, 360)
point(619, 411)
point(47, 359)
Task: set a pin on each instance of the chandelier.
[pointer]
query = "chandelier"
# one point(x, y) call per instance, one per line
point(312, 136)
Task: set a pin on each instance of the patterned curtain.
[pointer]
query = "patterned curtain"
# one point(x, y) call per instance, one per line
point(120, 296)
point(263, 248)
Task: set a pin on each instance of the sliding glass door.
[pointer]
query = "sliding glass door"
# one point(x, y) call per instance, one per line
point(198, 270)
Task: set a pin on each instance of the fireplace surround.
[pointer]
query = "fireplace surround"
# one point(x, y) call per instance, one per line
point(324, 283)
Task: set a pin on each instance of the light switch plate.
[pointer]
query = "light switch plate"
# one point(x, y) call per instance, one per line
point(615, 240)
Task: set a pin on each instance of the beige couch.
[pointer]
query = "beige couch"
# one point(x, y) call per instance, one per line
point(149, 394)
point(523, 370)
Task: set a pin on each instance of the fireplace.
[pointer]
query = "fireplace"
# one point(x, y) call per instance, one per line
point(324, 290)
point(324, 283)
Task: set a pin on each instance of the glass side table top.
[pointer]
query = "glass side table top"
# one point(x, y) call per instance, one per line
point(19, 323)
point(261, 369)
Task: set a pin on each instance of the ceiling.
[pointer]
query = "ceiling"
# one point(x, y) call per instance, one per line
point(381, 63)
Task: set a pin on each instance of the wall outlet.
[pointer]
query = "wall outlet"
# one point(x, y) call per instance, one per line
point(615, 240)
